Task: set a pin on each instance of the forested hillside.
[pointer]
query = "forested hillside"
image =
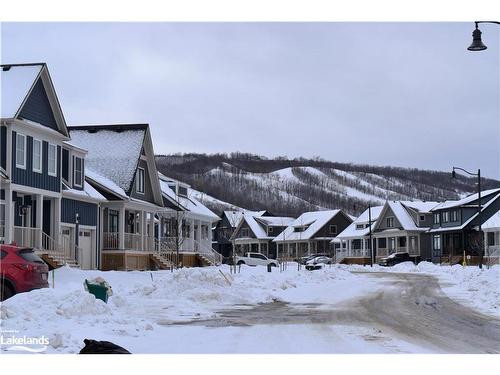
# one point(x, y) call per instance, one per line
point(291, 186)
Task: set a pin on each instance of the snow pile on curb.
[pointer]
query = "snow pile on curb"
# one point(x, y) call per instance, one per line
point(143, 302)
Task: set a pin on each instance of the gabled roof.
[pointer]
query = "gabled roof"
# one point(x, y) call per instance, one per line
point(258, 224)
point(469, 221)
point(400, 210)
point(313, 221)
point(105, 183)
point(188, 203)
point(420, 206)
point(114, 152)
point(468, 199)
point(234, 216)
point(17, 82)
point(493, 222)
point(363, 219)
point(88, 192)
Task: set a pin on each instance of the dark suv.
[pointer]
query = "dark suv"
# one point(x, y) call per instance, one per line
point(21, 270)
point(393, 259)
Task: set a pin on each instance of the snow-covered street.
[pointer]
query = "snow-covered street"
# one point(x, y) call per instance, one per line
point(196, 310)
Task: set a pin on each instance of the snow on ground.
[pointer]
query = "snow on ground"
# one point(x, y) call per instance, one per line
point(144, 303)
point(470, 286)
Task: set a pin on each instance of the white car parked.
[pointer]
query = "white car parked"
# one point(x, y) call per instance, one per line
point(256, 259)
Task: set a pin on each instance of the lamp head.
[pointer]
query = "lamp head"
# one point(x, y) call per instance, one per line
point(477, 43)
point(453, 174)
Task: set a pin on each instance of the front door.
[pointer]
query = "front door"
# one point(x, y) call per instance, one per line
point(85, 243)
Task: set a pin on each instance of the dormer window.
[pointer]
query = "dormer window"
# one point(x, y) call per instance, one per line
point(183, 192)
point(78, 172)
point(139, 187)
point(446, 217)
point(244, 233)
point(360, 226)
point(389, 222)
point(20, 151)
point(37, 155)
point(270, 230)
point(454, 216)
point(422, 217)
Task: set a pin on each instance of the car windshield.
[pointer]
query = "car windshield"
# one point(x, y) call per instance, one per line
point(29, 256)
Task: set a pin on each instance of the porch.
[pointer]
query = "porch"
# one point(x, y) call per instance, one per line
point(406, 243)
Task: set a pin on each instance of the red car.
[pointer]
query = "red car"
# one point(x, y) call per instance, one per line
point(21, 270)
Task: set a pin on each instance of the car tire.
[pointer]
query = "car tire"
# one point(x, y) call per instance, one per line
point(6, 292)
point(240, 263)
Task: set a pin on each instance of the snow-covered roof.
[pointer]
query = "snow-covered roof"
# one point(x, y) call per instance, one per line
point(314, 221)
point(234, 216)
point(105, 182)
point(351, 231)
point(468, 199)
point(111, 153)
point(275, 221)
point(15, 84)
point(493, 222)
point(87, 192)
point(459, 227)
point(189, 203)
point(420, 206)
point(403, 216)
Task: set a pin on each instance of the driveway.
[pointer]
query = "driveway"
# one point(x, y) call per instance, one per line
point(409, 307)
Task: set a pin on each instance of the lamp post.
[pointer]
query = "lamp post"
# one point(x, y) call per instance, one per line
point(478, 174)
point(477, 43)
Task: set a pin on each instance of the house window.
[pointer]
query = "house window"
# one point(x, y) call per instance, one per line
point(436, 218)
point(52, 158)
point(382, 243)
point(389, 222)
point(360, 226)
point(413, 243)
point(422, 217)
point(356, 244)
point(270, 230)
point(244, 233)
point(37, 155)
point(491, 239)
point(140, 181)
point(446, 217)
point(436, 240)
point(78, 173)
point(454, 216)
point(333, 229)
point(20, 151)
point(183, 192)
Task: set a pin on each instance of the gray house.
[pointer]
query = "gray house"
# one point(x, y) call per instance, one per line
point(455, 225)
point(311, 233)
point(256, 233)
point(120, 165)
point(402, 227)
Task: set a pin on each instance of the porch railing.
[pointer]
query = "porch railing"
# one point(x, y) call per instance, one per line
point(110, 240)
point(133, 241)
point(208, 253)
point(26, 236)
point(166, 255)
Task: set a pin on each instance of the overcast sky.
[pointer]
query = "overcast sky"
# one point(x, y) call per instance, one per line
point(401, 94)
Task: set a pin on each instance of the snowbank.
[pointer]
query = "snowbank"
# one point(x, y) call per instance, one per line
point(143, 302)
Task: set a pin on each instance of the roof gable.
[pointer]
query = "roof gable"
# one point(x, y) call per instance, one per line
point(27, 93)
point(312, 222)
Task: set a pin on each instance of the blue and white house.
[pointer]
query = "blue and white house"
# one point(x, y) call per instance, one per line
point(41, 189)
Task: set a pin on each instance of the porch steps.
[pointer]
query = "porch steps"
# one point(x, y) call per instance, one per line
point(56, 262)
point(205, 262)
point(160, 262)
point(457, 259)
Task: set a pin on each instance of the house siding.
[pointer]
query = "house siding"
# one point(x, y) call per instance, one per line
point(245, 225)
point(3, 149)
point(383, 221)
point(37, 107)
point(339, 220)
point(148, 190)
point(27, 177)
point(87, 212)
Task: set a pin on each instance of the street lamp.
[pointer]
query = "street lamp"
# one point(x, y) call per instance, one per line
point(478, 174)
point(477, 43)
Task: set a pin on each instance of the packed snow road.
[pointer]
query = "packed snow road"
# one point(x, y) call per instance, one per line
point(411, 307)
point(339, 309)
